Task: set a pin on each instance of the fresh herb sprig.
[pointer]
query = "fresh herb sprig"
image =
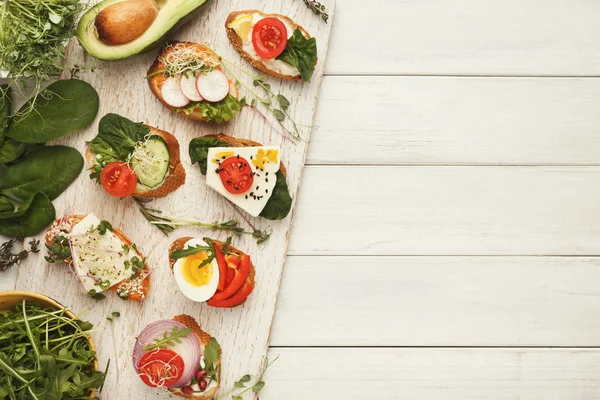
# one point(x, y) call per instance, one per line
point(154, 216)
point(318, 8)
point(256, 387)
point(58, 250)
point(210, 251)
point(169, 339)
point(8, 259)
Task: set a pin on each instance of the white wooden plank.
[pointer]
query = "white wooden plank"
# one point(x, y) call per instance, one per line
point(487, 37)
point(242, 332)
point(439, 301)
point(476, 121)
point(448, 211)
point(426, 374)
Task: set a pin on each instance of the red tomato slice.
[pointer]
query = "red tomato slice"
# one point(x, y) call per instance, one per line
point(269, 37)
point(118, 179)
point(236, 174)
point(160, 368)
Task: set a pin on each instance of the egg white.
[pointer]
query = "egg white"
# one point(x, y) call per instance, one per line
point(196, 293)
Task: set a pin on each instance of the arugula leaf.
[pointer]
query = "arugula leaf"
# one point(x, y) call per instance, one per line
point(280, 202)
point(221, 111)
point(189, 251)
point(169, 339)
point(301, 53)
point(33, 215)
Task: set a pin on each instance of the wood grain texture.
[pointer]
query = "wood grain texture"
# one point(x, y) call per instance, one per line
point(456, 121)
point(426, 374)
point(367, 210)
point(466, 37)
point(439, 301)
point(242, 332)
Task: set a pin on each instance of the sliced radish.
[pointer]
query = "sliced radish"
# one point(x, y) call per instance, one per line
point(213, 86)
point(171, 93)
point(188, 88)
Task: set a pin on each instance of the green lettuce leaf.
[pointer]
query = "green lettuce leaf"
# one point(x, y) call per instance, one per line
point(301, 53)
point(221, 111)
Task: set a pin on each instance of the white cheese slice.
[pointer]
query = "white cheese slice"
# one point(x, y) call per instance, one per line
point(254, 200)
point(98, 258)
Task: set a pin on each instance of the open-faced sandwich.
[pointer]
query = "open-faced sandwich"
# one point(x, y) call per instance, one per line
point(246, 173)
point(130, 158)
point(273, 43)
point(175, 354)
point(187, 78)
point(208, 270)
point(101, 257)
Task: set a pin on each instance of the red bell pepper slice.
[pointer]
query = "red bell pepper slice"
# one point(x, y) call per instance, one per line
point(238, 298)
point(238, 280)
point(222, 267)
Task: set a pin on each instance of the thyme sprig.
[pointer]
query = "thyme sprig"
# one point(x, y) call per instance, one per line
point(318, 8)
point(8, 259)
point(154, 216)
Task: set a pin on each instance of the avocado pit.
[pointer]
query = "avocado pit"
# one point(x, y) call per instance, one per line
point(122, 22)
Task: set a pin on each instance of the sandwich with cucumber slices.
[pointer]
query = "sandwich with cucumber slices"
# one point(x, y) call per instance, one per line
point(246, 173)
point(130, 158)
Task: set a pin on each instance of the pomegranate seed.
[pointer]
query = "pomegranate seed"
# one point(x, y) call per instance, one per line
point(202, 383)
point(200, 374)
point(187, 390)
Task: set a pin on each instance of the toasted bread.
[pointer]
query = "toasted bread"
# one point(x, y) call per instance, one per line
point(156, 78)
point(141, 284)
point(180, 243)
point(176, 175)
point(237, 142)
point(258, 63)
point(203, 338)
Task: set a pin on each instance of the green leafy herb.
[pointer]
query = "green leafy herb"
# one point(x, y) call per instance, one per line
point(221, 111)
point(154, 216)
point(44, 354)
point(228, 226)
point(212, 352)
point(8, 259)
point(301, 53)
point(62, 108)
point(210, 252)
point(169, 339)
point(33, 215)
point(104, 226)
point(58, 250)
point(317, 8)
point(47, 169)
point(95, 295)
point(258, 385)
point(280, 202)
point(114, 314)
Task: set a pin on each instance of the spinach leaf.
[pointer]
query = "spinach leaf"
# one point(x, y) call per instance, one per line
point(33, 215)
point(199, 150)
point(280, 202)
point(117, 137)
point(49, 170)
point(6, 205)
point(301, 53)
point(62, 108)
point(10, 150)
point(221, 111)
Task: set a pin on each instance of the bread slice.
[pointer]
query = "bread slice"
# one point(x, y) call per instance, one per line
point(156, 78)
point(141, 283)
point(180, 243)
point(237, 142)
point(176, 175)
point(258, 63)
point(203, 338)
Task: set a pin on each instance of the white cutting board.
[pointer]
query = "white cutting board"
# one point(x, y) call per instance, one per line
point(242, 332)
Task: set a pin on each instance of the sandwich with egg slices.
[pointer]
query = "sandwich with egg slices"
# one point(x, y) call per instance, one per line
point(101, 257)
point(212, 271)
point(177, 355)
point(246, 173)
point(130, 158)
point(273, 44)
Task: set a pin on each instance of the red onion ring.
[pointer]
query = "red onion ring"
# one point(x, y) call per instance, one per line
point(189, 349)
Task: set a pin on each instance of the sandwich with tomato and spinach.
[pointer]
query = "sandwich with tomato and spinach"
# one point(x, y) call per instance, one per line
point(177, 355)
point(273, 44)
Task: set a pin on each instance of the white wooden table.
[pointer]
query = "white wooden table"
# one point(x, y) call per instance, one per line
point(447, 233)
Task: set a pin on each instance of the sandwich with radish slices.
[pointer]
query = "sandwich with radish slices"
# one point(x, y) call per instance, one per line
point(188, 79)
point(176, 355)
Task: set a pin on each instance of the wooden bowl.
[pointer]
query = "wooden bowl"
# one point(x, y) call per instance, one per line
point(11, 298)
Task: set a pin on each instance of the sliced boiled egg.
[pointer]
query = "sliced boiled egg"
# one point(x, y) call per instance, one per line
point(197, 284)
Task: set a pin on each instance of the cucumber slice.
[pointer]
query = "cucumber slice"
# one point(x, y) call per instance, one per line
point(150, 161)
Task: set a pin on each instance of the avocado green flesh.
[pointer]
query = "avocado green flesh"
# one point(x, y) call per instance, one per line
point(152, 169)
point(171, 16)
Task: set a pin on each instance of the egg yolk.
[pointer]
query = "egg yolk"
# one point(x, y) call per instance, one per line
point(194, 275)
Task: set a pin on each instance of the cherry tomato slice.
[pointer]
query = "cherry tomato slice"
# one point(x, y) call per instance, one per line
point(269, 37)
point(236, 174)
point(160, 368)
point(118, 179)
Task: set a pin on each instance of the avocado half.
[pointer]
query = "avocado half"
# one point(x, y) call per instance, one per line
point(171, 15)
